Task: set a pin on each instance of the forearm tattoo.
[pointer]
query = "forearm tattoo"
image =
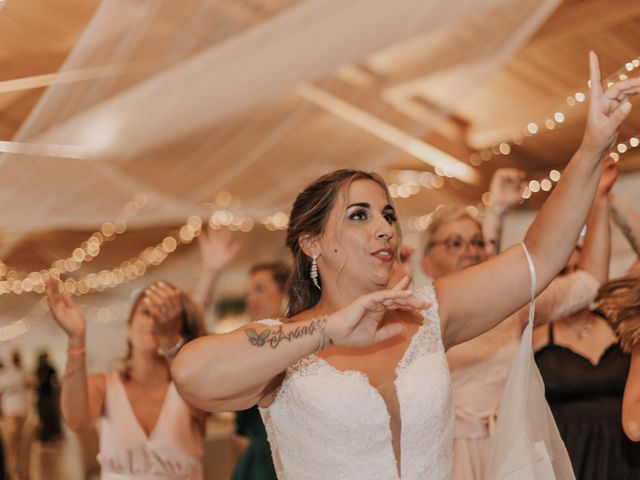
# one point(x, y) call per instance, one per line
point(622, 222)
point(273, 337)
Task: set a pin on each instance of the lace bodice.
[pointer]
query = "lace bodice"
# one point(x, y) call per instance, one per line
point(327, 423)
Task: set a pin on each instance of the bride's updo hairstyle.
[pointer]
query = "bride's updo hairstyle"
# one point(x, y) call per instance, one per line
point(309, 216)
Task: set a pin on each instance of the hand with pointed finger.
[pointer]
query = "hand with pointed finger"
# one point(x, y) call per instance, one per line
point(357, 324)
point(607, 108)
point(66, 313)
point(165, 306)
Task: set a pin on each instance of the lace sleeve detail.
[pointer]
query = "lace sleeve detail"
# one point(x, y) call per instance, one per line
point(564, 296)
point(432, 312)
point(428, 340)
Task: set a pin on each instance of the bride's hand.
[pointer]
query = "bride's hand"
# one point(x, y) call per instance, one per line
point(607, 109)
point(356, 325)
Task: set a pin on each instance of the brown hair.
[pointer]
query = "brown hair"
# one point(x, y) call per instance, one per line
point(192, 323)
point(309, 216)
point(280, 272)
point(620, 301)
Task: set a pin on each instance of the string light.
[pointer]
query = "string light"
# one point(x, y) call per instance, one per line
point(406, 183)
point(88, 249)
point(413, 182)
point(549, 122)
point(553, 176)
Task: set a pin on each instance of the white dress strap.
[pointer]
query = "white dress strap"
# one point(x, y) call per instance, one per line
point(527, 444)
point(533, 280)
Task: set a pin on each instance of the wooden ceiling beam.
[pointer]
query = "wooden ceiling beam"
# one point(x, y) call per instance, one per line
point(575, 17)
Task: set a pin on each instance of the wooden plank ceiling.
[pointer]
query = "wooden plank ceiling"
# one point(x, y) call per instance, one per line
point(36, 36)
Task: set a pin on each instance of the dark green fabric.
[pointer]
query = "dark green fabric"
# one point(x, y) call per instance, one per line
point(256, 462)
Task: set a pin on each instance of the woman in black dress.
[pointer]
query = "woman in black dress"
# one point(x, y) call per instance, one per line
point(584, 371)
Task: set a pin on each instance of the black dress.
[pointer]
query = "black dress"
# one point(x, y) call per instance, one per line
point(586, 402)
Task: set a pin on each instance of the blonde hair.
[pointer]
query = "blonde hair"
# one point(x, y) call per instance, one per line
point(619, 300)
point(444, 215)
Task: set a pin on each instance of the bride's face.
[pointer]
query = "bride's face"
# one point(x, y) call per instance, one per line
point(360, 240)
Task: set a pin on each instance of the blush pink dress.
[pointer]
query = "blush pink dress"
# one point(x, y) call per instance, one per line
point(172, 451)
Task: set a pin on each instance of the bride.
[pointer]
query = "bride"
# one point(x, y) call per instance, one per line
point(354, 382)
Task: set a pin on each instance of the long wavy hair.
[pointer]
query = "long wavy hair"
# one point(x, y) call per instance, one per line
point(309, 216)
point(191, 324)
point(619, 300)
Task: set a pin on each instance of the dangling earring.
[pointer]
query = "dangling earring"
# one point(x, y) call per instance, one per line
point(314, 271)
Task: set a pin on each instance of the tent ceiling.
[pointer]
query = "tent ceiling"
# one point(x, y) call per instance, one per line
point(36, 36)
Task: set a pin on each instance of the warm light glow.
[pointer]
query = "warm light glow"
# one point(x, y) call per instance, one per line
point(534, 186)
point(390, 134)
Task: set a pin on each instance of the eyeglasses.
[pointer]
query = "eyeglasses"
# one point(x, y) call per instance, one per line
point(456, 243)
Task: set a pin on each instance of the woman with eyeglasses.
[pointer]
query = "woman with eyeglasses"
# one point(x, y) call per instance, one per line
point(454, 240)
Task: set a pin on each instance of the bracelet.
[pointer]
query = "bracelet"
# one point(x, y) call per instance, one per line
point(325, 341)
point(172, 351)
point(499, 210)
point(77, 351)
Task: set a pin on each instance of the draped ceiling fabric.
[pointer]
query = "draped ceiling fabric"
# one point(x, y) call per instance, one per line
point(182, 100)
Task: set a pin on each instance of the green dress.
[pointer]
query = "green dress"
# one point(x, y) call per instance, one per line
point(256, 462)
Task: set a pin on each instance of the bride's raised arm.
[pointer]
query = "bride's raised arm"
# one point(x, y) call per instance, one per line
point(476, 299)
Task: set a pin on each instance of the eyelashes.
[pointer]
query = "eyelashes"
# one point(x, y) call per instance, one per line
point(362, 214)
point(391, 218)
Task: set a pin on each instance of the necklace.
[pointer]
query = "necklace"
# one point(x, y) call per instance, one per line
point(583, 330)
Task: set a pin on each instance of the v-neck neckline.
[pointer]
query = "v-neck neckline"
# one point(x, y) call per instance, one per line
point(364, 376)
point(132, 412)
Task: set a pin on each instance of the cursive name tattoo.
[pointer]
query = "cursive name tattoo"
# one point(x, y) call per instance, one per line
point(274, 337)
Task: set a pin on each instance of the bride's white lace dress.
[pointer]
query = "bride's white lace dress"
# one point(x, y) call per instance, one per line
point(329, 424)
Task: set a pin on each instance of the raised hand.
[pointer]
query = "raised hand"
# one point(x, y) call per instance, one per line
point(507, 185)
point(607, 109)
point(217, 249)
point(65, 312)
point(164, 303)
point(356, 325)
point(608, 178)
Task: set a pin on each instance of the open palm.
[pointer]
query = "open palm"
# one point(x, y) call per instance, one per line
point(357, 324)
point(65, 312)
point(217, 248)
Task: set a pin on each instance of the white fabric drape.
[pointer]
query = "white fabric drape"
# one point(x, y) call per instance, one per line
point(526, 444)
point(181, 100)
